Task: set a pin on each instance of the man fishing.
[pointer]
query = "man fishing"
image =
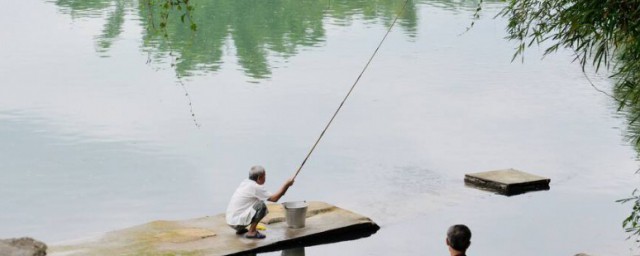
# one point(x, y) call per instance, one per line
point(247, 206)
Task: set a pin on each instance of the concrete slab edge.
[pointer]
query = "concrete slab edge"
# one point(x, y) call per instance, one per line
point(353, 232)
point(504, 189)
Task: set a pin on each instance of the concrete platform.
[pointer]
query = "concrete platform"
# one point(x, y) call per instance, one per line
point(507, 182)
point(325, 223)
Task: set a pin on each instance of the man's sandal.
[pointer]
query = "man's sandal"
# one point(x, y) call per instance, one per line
point(257, 235)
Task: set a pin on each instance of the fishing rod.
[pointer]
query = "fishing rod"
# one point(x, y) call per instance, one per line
point(351, 90)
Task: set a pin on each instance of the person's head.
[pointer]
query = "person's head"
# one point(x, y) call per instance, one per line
point(459, 237)
point(258, 174)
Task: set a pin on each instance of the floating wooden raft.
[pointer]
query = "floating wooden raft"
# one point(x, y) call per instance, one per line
point(507, 182)
point(325, 223)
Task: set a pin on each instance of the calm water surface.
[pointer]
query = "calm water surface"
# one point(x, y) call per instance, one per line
point(105, 125)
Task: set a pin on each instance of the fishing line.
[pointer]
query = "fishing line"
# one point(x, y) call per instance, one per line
point(352, 87)
point(186, 93)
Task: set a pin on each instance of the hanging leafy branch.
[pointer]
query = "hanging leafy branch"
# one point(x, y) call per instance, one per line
point(631, 223)
point(603, 34)
point(183, 8)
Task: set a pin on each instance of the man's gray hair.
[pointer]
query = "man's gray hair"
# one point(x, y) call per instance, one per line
point(459, 237)
point(255, 172)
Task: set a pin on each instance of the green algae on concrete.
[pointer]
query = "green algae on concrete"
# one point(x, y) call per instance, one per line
point(211, 235)
point(507, 182)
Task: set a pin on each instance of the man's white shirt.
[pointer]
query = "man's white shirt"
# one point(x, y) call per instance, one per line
point(240, 210)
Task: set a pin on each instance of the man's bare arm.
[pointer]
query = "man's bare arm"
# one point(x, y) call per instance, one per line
point(276, 196)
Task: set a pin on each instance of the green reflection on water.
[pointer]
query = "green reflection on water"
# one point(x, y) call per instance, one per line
point(83, 8)
point(114, 10)
point(258, 30)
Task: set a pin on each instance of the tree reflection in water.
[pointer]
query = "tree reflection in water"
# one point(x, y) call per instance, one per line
point(258, 30)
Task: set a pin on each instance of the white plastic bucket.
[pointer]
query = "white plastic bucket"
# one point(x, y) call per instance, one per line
point(295, 213)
